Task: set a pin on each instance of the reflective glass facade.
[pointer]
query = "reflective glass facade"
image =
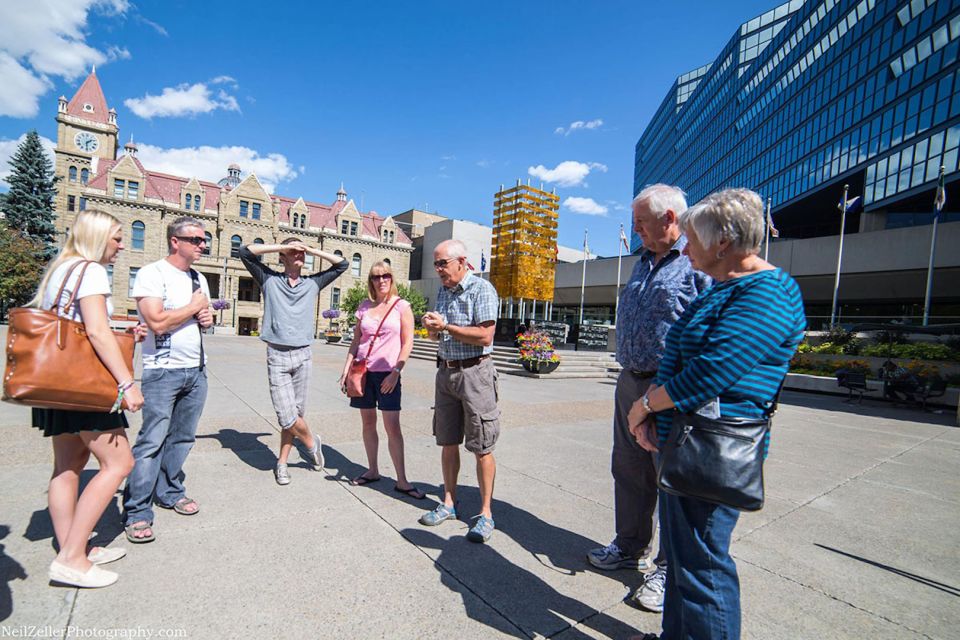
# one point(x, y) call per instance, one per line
point(812, 95)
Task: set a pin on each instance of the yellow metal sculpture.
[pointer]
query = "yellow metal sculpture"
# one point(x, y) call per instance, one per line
point(523, 253)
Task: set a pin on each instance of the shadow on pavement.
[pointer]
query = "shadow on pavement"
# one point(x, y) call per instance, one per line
point(109, 526)
point(520, 596)
point(939, 586)
point(876, 408)
point(247, 446)
point(10, 570)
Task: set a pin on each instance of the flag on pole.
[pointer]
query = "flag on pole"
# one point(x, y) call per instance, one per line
point(470, 266)
point(941, 198)
point(586, 248)
point(483, 261)
point(774, 232)
point(853, 205)
point(623, 240)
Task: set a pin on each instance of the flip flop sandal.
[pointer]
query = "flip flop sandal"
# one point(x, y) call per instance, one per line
point(359, 481)
point(180, 506)
point(137, 527)
point(413, 492)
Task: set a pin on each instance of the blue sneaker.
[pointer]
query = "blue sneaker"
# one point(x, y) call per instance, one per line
point(482, 530)
point(438, 515)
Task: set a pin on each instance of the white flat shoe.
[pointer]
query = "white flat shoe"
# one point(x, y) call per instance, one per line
point(104, 555)
point(93, 578)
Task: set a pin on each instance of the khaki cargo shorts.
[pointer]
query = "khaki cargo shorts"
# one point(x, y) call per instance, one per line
point(465, 407)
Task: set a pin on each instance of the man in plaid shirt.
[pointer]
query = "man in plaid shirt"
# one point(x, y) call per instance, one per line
point(465, 406)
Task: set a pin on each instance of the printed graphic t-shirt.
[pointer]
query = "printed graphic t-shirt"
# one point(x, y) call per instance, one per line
point(179, 348)
point(95, 282)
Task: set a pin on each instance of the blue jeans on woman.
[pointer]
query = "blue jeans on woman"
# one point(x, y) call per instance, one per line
point(173, 400)
point(702, 597)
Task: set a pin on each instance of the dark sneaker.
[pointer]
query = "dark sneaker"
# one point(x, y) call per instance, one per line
point(649, 595)
point(438, 515)
point(281, 474)
point(482, 530)
point(611, 557)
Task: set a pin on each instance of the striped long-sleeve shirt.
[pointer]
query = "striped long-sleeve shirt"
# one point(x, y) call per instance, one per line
point(733, 344)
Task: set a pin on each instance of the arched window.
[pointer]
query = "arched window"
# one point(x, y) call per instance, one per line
point(196, 202)
point(303, 221)
point(387, 262)
point(137, 230)
point(258, 241)
point(296, 219)
point(235, 242)
point(355, 265)
point(189, 202)
point(84, 175)
point(206, 247)
point(338, 253)
point(73, 174)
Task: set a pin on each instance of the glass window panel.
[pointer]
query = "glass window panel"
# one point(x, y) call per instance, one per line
point(940, 38)
point(953, 136)
point(933, 169)
point(950, 161)
point(936, 144)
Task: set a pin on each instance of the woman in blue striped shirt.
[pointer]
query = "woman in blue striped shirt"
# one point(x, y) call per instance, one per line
point(725, 356)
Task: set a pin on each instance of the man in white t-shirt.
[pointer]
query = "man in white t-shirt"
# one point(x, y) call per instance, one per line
point(173, 300)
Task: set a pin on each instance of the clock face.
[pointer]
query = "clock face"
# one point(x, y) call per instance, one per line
point(86, 142)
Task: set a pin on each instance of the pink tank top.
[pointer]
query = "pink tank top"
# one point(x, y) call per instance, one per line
point(386, 348)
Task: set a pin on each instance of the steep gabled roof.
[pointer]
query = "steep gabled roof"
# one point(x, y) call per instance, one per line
point(90, 93)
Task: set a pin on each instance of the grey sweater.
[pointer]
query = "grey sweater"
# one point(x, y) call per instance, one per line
point(289, 312)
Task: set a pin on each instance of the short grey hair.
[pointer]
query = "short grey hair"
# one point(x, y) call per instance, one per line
point(176, 227)
point(735, 215)
point(661, 198)
point(455, 248)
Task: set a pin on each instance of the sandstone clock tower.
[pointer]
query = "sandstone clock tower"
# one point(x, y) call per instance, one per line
point(86, 132)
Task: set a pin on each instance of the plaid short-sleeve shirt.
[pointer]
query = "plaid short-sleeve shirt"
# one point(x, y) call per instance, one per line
point(471, 302)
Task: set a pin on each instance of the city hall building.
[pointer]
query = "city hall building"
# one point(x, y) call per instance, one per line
point(94, 173)
point(809, 97)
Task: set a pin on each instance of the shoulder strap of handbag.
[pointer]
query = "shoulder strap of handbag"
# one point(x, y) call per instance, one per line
point(195, 280)
point(380, 326)
point(68, 308)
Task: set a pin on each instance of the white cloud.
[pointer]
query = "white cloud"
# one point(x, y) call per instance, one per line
point(43, 39)
point(586, 206)
point(210, 163)
point(150, 23)
point(569, 173)
point(579, 124)
point(616, 206)
point(448, 158)
point(9, 147)
point(484, 164)
point(183, 100)
point(224, 80)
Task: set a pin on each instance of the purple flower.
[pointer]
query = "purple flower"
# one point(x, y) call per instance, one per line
point(220, 304)
point(330, 314)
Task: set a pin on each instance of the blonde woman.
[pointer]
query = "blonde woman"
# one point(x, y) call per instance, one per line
point(388, 353)
point(98, 237)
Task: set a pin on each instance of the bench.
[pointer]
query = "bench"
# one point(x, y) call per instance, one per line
point(934, 388)
point(855, 382)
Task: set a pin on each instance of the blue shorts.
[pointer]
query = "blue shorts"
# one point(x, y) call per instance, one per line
point(373, 398)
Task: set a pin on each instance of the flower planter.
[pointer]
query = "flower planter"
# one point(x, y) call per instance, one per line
point(539, 366)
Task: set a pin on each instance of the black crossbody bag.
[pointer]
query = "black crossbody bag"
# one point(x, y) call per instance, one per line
point(717, 460)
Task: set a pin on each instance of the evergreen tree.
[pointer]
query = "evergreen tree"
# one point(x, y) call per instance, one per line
point(28, 205)
point(20, 270)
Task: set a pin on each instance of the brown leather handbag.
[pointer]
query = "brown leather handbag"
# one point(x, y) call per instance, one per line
point(51, 363)
point(357, 375)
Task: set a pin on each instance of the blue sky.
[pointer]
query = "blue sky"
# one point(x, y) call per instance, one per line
point(411, 104)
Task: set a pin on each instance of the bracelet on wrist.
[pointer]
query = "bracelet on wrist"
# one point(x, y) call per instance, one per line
point(645, 403)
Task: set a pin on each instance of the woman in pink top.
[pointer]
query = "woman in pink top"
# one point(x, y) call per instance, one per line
point(388, 353)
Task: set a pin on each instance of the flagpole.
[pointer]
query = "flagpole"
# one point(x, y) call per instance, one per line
point(616, 293)
point(836, 281)
point(933, 248)
point(583, 280)
point(766, 238)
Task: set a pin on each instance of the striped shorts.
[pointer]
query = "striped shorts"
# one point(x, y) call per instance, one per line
point(288, 370)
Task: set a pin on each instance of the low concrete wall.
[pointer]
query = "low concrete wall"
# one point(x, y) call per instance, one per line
point(824, 384)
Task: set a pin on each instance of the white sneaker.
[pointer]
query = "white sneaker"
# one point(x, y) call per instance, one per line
point(281, 474)
point(649, 595)
point(313, 457)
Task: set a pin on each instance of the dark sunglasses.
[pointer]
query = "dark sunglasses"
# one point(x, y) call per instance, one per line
point(440, 264)
point(194, 240)
point(385, 276)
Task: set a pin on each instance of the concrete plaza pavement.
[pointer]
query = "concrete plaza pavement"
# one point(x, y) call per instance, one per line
point(858, 538)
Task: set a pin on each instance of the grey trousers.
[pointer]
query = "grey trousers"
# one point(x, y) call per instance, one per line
point(634, 476)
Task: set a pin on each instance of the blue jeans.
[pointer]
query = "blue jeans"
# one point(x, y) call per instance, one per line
point(702, 598)
point(172, 402)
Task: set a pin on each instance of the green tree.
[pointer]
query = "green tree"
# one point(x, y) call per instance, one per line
point(20, 268)
point(28, 205)
point(358, 293)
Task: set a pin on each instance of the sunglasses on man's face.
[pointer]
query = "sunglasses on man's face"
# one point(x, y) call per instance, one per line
point(440, 264)
point(385, 276)
point(194, 240)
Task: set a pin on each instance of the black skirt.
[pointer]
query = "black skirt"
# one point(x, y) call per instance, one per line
point(55, 422)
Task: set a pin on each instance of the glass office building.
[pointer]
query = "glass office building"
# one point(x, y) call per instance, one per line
point(813, 95)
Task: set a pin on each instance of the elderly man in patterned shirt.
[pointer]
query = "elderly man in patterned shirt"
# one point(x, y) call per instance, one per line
point(465, 406)
point(662, 285)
